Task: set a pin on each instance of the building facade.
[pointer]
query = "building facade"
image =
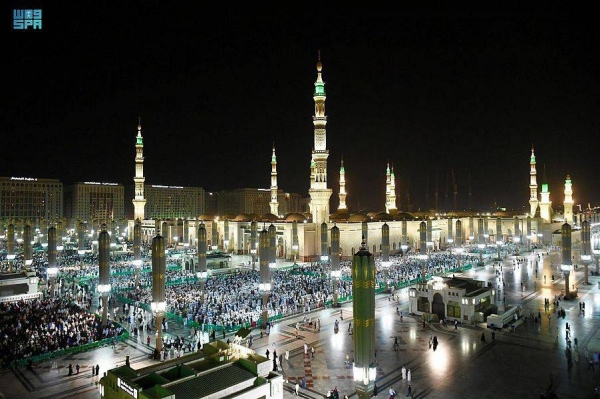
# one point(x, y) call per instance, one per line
point(95, 201)
point(30, 198)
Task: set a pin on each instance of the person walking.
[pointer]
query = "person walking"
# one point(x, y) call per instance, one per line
point(305, 349)
point(591, 366)
point(297, 389)
point(409, 391)
point(70, 369)
point(97, 369)
point(403, 372)
point(77, 368)
point(392, 393)
point(408, 376)
point(312, 350)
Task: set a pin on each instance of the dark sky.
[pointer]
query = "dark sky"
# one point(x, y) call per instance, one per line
point(215, 89)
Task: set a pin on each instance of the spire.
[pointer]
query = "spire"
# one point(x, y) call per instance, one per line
point(545, 202)
point(342, 206)
point(533, 193)
point(319, 192)
point(390, 206)
point(568, 204)
point(274, 204)
point(139, 202)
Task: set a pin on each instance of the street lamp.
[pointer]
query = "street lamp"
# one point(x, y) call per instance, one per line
point(423, 259)
point(459, 251)
point(481, 247)
point(499, 244)
point(253, 254)
point(586, 261)
point(385, 265)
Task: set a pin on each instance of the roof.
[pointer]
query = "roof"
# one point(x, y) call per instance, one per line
point(358, 217)
point(211, 382)
point(295, 217)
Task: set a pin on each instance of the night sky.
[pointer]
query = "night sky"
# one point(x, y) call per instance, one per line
point(431, 94)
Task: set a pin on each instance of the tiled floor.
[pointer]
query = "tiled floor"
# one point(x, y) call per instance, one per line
point(520, 364)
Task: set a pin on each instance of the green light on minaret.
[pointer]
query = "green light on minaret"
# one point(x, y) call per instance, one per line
point(139, 141)
point(545, 187)
point(319, 88)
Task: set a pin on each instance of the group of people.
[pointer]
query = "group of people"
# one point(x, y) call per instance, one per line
point(38, 326)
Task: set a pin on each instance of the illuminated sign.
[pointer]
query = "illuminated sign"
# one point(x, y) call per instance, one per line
point(27, 19)
point(127, 388)
point(24, 178)
point(159, 186)
point(103, 184)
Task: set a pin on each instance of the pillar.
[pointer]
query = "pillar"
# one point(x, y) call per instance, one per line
point(104, 271)
point(335, 262)
point(159, 267)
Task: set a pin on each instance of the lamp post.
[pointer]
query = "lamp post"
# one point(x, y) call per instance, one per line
point(423, 259)
point(265, 285)
point(459, 251)
point(499, 244)
point(158, 304)
point(253, 254)
point(104, 286)
point(596, 252)
point(385, 265)
point(480, 247)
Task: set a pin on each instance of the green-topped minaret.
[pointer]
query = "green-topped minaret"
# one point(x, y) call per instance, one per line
point(319, 192)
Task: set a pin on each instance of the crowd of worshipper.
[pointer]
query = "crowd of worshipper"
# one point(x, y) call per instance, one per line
point(38, 326)
point(227, 300)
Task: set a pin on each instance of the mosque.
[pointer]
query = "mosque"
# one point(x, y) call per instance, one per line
point(307, 236)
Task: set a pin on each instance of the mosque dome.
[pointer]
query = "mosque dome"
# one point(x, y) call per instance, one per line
point(295, 217)
point(340, 216)
point(382, 217)
point(268, 217)
point(404, 216)
point(229, 216)
point(242, 217)
point(358, 217)
point(206, 217)
point(253, 216)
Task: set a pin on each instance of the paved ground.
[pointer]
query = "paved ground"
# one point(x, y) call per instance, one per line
point(520, 364)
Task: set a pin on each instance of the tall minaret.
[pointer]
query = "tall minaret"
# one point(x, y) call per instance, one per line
point(568, 205)
point(139, 202)
point(342, 206)
point(319, 193)
point(274, 204)
point(388, 182)
point(533, 195)
point(545, 203)
point(391, 205)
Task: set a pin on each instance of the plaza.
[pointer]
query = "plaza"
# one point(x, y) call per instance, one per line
point(521, 363)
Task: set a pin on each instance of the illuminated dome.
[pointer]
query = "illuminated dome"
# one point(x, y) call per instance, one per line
point(404, 216)
point(242, 217)
point(268, 217)
point(295, 217)
point(382, 217)
point(253, 216)
point(358, 217)
point(340, 216)
point(206, 217)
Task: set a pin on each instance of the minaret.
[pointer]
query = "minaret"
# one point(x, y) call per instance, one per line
point(319, 193)
point(390, 207)
point(139, 202)
point(274, 204)
point(393, 207)
point(533, 195)
point(568, 204)
point(342, 206)
point(545, 203)
point(388, 180)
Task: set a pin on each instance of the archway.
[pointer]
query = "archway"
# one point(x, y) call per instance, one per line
point(423, 305)
point(437, 307)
